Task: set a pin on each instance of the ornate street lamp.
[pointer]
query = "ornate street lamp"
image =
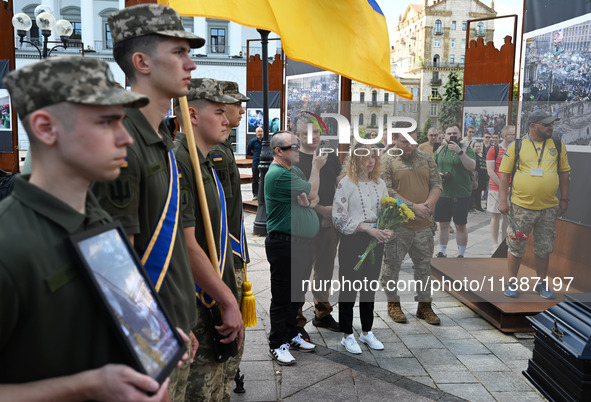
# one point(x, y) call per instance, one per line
point(46, 22)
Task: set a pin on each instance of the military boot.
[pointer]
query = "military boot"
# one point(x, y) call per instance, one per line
point(425, 312)
point(395, 312)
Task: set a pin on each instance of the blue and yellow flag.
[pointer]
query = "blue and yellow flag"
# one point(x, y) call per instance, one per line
point(348, 37)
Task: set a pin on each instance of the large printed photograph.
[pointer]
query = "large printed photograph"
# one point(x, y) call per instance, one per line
point(556, 77)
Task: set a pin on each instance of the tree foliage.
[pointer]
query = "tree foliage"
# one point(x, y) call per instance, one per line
point(451, 106)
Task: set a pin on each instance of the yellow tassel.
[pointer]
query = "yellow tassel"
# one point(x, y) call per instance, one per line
point(249, 305)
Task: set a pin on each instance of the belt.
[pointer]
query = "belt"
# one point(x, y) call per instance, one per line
point(288, 237)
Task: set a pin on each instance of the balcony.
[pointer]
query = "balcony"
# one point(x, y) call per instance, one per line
point(437, 32)
point(430, 64)
point(435, 98)
point(435, 82)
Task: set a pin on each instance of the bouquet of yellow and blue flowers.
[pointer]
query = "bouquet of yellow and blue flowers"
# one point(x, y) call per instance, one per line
point(394, 213)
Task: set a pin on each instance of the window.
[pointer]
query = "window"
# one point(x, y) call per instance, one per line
point(217, 40)
point(385, 119)
point(107, 42)
point(415, 91)
point(401, 107)
point(361, 119)
point(480, 31)
point(72, 14)
point(437, 43)
point(463, 46)
point(433, 109)
point(435, 75)
point(453, 25)
point(386, 97)
point(452, 59)
point(436, 61)
point(462, 59)
point(374, 121)
point(374, 97)
point(438, 30)
point(453, 43)
point(434, 93)
point(362, 97)
point(463, 25)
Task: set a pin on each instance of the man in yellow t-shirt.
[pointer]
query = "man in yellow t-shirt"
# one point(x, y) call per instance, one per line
point(534, 204)
point(429, 146)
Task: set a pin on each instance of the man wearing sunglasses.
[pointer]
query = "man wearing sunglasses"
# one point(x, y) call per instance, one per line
point(292, 226)
point(431, 145)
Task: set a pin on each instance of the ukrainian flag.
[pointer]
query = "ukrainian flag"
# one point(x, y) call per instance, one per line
point(348, 37)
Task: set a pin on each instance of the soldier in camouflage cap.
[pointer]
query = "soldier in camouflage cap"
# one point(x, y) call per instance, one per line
point(67, 79)
point(146, 19)
point(207, 107)
point(208, 89)
point(73, 114)
point(231, 88)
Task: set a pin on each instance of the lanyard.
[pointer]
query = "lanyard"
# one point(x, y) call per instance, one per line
point(536, 149)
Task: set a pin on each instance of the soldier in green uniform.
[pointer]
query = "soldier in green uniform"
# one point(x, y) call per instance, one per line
point(225, 166)
point(55, 341)
point(152, 48)
point(413, 178)
point(207, 107)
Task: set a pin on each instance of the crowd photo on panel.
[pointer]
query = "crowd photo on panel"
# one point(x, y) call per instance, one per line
point(354, 214)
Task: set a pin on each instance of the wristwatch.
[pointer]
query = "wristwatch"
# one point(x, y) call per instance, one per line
point(461, 152)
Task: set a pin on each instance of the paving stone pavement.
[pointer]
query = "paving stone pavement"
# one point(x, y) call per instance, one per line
point(464, 358)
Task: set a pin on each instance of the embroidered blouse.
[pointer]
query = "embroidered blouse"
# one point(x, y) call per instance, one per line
point(354, 204)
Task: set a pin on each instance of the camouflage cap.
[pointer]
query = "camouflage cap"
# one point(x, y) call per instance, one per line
point(83, 80)
point(231, 88)
point(146, 19)
point(207, 88)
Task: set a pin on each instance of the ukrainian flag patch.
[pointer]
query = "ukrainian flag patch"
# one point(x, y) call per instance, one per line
point(217, 158)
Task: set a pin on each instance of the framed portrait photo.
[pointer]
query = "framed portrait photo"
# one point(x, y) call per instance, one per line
point(122, 286)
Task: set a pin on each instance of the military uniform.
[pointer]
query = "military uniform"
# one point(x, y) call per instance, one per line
point(45, 302)
point(413, 180)
point(138, 196)
point(207, 380)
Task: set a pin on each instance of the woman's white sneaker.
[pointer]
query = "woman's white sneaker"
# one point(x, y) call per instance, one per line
point(300, 344)
point(282, 355)
point(371, 341)
point(351, 345)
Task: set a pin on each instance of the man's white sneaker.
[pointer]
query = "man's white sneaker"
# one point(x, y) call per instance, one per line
point(351, 345)
point(282, 356)
point(371, 341)
point(300, 344)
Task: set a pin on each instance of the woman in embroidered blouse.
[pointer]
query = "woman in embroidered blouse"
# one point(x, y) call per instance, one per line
point(355, 211)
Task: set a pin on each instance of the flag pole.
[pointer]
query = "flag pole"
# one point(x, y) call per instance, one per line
point(188, 129)
point(260, 222)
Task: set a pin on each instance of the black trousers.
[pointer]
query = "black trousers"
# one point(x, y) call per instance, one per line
point(350, 248)
point(255, 180)
point(290, 263)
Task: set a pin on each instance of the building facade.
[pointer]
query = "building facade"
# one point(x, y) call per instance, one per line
point(223, 57)
point(430, 42)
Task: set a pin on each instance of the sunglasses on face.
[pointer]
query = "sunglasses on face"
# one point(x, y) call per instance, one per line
point(293, 147)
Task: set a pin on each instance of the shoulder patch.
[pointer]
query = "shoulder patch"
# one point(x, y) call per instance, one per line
point(553, 152)
point(217, 158)
point(120, 192)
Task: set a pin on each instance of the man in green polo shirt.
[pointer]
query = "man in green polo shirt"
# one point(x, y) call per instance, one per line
point(292, 225)
point(207, 107)
point(55, 340)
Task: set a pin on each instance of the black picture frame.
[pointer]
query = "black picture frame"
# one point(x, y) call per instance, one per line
point(124, 289)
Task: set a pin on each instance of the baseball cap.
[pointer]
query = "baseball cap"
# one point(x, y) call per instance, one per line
point(82, 80)
point(231, 88)
point(146, 19)
point(541, 117)
point(209, 89)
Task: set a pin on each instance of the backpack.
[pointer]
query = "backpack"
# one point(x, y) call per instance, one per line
point(557, 144)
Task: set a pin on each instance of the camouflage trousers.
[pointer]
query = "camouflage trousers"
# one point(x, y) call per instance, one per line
point(178, 380)
point(542, 222)
point(208, 379)
point(419, 245)
point(231, 366)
